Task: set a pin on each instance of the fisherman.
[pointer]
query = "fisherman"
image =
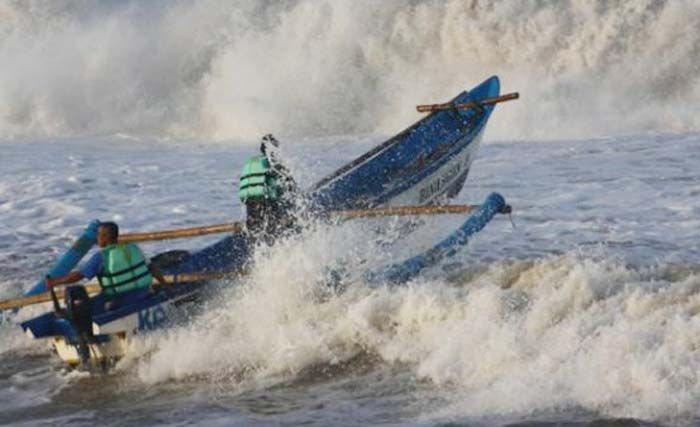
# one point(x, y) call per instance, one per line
point(122, 270)
point(268, 191)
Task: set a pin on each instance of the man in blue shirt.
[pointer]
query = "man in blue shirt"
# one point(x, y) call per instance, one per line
point(107, 234)
point(92, 267)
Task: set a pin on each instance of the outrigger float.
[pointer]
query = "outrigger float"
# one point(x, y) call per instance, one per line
point(409, 174)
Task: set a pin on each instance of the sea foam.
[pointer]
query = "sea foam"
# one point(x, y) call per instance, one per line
point(235, 70)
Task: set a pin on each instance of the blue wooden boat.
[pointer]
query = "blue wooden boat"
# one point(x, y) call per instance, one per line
point(425, 164)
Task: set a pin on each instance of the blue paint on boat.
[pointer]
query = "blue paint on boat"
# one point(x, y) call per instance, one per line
point(228, 254)
point(71, 258)
point(149, 311)
point(400, 163)
point(102, 316)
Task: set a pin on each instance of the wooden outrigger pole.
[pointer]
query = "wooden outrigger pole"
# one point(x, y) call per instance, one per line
point(179, 233)
point(429, 108)
point(94, 288)
point(235, 227)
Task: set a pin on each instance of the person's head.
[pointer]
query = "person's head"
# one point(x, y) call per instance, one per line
point(107, 234)
point(268, 144)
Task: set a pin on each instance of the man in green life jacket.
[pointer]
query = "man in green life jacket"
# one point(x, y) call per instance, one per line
point(268, 191)
point(122, 270)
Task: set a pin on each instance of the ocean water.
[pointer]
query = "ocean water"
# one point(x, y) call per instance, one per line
point(584, 313)
point(587, 310)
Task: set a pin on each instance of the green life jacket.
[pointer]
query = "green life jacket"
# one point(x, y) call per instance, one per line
point(124, 269)
point(258, 183)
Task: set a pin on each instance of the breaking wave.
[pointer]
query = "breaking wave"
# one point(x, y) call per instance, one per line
point(563, 332)
point(236, 69)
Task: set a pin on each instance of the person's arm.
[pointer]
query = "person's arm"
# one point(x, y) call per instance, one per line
point(72, 277)
point(158, 275)
point(87, 271)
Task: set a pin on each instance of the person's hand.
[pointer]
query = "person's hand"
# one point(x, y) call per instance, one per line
point(162, 287)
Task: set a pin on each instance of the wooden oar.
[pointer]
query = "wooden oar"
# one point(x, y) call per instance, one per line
point(235, 227)
point(182, 232)
point(93, 288)
point(428, 108)
point(405, 211)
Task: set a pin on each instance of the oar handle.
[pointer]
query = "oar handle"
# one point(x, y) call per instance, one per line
point(182, 232)
point(428, 108)
point(237, 227)
point(54, 298)
point(93, 288)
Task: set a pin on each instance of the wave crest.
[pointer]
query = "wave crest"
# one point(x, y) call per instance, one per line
point(234, 70)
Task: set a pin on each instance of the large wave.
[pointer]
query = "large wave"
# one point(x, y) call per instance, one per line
point(235, 69)
point(518, 337)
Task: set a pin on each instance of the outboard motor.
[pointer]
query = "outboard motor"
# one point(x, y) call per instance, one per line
point(79, 312)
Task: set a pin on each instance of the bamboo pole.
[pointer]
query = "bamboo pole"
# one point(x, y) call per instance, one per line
point(94, 288)
point(236, 227)
point(406, 210)
point(428, 108)
point(182, 232)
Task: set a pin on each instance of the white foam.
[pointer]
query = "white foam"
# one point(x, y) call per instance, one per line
point(570, 333)
point(237, 70)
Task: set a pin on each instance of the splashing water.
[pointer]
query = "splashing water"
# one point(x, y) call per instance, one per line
point(587, 310)
point(239, 69)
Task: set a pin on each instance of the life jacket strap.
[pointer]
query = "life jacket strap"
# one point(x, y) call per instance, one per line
point(127, 281)
point(126, 270)
point(255, 174)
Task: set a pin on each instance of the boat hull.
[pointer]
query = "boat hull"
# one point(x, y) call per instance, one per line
point(452, 173)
